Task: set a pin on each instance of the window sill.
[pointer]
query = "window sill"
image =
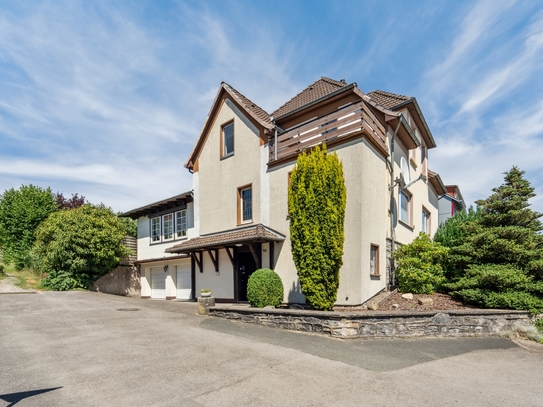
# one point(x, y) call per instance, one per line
point(248, 222)
point(375, 276)
point(224, 157)
point(410, 227)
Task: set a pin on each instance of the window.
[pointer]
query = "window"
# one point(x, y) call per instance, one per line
point(227, 145)
point(374, 260)
point(245, 205)
point(167, 221)
point(155, 229)
point(425, 221)
point(169, 226)
point(181, 223)
point(405, 207)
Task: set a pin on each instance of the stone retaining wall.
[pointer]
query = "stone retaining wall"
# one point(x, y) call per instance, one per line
point(380, 324)
point(124, 280)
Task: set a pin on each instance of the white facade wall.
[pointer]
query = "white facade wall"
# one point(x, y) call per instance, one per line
point(218, 179)
point(170, 275)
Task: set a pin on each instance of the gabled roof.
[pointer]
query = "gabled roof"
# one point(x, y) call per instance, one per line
point(259, 114)
point(253, 110)
point(320, 88)
point(159, 206)
point(387, 99)
point(253, 233)
point(394, 101)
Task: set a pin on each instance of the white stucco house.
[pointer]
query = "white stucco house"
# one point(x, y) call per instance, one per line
point(234, 218)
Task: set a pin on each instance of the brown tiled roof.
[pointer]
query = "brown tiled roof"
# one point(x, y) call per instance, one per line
point(387, 99)
point(165, 258)
point(254, 233)
point(257, 112)
point(324, 86)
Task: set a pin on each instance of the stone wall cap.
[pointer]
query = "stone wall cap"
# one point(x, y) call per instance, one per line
point(365, 314)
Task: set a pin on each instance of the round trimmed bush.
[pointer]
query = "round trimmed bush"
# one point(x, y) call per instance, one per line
point(264, 288)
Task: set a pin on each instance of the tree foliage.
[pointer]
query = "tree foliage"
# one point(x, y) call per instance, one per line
point(419, 265)
point(502, 245)
point(21, 211)
point(75, 247)
point(70, 203)
point(316, 201)
point(130, 226)
point(264, 288)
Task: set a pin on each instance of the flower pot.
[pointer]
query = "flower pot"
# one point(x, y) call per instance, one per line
point(208, 294)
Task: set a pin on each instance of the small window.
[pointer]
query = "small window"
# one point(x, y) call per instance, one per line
point(374, 260)
point(228, 139)
point(425, 221)
point(155, 229)
point(168, 226)
point(181, 223)
point(245, 204)
point(405, 207)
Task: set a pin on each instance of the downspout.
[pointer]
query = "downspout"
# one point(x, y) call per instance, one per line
point(391, 188)
point(274, 140)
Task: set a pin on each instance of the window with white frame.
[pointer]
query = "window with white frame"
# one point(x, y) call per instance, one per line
point(245, 204)
point(155, 229)
point(169, 226)
point(405, 207)
point(228, 139)
point(425, 221)
point(167, 221)
point(374, 260)
point(181, 223)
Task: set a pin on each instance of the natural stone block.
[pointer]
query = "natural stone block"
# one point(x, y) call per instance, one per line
point(204, 304)
point(373, 306)
point(426, 301)
point(407, 296)
point(441, 318)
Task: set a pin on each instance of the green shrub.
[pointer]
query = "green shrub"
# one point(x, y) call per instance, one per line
point(316, 204)
point(76, 247)
point(264, 288)
point(2, 273)
point(498, 286)
point(419, 265)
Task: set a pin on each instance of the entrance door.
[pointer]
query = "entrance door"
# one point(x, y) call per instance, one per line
point(246, 267)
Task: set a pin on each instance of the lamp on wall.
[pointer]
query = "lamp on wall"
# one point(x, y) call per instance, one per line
point(165, 268)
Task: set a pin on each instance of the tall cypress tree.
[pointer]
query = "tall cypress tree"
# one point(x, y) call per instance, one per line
point(317, 199)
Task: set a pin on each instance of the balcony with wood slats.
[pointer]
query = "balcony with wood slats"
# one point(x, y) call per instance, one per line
point(344, 124)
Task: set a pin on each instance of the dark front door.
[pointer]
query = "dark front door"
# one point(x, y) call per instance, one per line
point(246, 267)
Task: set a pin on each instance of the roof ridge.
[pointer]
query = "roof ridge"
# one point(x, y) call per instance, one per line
point(396, 95)
point(311, 93)
point(252, 107)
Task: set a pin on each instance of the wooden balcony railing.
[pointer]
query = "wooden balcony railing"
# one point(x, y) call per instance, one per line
point(342, 124)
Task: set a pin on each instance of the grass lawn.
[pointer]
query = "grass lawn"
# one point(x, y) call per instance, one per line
point(26, 279)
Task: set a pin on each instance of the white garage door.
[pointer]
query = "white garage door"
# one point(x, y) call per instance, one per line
point(158, 283)
point(184, 282)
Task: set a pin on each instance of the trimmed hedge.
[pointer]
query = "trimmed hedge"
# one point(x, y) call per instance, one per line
point(264, 288)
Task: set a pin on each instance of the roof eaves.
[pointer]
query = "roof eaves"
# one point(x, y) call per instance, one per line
point(162, 201)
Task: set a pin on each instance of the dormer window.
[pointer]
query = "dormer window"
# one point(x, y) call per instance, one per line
point(227, 139)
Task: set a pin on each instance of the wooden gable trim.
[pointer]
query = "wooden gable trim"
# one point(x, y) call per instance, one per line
point(222, 95)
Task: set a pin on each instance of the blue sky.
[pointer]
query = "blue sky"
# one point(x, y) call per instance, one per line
point(106, 99)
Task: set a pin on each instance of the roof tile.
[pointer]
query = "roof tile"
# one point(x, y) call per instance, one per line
point(322, 87)
point(258, 113)
point(387, 99)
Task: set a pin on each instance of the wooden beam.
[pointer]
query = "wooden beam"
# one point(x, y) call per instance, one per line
point(230, 255)
point(198, 261)
point(256, 257)
point(214, 258)
point(272, 255)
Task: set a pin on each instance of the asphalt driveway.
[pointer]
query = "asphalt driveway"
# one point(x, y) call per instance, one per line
point(90, 349)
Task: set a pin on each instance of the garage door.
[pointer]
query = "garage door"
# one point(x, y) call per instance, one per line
point(158, 283)
point(184, 282)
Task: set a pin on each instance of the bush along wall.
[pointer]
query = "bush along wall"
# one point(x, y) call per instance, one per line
point(264, 288)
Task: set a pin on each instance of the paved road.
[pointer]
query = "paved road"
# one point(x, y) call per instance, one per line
point(78, 349)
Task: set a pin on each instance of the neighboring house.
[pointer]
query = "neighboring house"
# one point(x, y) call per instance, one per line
point(450, 203)
point(237, 214)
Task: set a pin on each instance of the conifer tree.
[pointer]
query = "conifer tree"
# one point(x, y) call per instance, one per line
point(317, 199)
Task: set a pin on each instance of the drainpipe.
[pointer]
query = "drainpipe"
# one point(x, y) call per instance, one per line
point(274, 140)
point(391, 188)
